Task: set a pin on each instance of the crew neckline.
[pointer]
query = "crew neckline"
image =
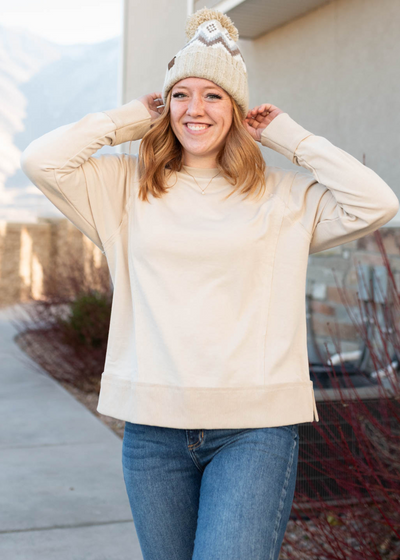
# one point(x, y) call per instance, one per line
point(202, 172)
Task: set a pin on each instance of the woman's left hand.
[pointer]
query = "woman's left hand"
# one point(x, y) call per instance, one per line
point(260, 117)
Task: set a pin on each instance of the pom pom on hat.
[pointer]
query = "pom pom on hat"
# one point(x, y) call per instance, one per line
point(199, 17)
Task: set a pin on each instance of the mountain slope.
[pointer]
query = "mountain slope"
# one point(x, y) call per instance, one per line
point(42, 86)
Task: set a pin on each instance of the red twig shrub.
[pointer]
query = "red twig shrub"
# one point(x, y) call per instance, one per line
point(356, 449)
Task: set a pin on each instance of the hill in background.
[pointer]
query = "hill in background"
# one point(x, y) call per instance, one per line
point(43, 86)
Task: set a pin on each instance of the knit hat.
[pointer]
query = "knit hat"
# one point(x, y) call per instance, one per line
point(212, 53)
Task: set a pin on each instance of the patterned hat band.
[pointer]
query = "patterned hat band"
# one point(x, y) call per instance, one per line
point(211, 53)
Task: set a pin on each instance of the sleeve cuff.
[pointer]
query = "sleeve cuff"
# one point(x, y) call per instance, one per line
point(131, 120)
point(284, 135)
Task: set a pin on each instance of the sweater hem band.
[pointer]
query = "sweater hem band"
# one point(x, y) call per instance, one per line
point(195, 408)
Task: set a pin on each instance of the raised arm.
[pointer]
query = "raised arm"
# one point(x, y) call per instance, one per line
point(343, 200)
point(92, 192)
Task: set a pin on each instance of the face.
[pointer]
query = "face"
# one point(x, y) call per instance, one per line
point(196, 102)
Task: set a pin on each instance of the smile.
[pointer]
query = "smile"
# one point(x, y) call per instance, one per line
point(197, 128)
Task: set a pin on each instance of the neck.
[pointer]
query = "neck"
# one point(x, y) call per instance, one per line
point(202, 162)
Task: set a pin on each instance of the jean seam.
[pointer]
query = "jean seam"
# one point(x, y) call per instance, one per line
point(197, 443)
point(282, 500)
point(195, 461)
point(194, 446)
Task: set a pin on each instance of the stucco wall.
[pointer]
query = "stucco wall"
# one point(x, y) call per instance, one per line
point(336, 72)
point(153, 33)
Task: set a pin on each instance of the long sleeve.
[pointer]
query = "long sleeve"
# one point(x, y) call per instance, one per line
point(343, 200)
point(92, 192)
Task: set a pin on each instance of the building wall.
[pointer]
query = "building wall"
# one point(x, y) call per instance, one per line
point(153, 33)
point(336, 72)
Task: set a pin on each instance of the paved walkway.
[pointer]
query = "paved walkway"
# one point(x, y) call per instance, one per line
point(62, 489)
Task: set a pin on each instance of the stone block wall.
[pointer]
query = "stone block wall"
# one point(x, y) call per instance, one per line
point(35, 257)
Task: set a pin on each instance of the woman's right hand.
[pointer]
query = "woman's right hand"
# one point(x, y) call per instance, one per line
point(151, 102)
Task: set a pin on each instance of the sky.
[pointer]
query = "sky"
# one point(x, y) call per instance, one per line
point(65, 22)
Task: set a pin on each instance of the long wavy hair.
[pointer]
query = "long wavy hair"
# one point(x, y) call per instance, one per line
point(161, 154)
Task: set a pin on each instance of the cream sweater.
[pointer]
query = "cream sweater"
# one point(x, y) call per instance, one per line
point(208, 322)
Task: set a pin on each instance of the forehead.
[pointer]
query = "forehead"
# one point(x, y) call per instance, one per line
point(196, 83)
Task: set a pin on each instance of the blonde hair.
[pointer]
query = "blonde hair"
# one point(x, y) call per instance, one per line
point(239, 160)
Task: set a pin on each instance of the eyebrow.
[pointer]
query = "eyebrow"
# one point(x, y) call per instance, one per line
point(207, 87)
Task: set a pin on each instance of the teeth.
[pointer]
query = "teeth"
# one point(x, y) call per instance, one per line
point(197, 126)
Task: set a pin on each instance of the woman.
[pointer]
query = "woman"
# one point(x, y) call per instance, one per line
point(207, 248)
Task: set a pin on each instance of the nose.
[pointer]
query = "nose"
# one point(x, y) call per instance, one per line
point(196, 105)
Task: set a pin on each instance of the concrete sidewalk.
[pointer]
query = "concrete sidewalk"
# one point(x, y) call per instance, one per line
point(62, 490)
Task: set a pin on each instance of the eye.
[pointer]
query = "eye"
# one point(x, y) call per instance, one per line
point(213, 95)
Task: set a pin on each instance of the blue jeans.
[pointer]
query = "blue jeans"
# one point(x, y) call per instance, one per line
point(223, 494)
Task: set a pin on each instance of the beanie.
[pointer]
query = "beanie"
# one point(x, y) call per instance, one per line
point(212, 53)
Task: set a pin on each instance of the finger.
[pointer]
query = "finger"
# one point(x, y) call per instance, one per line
point(262, 116)
point(158, 102)
point(257, 124)
point(155, 96)
point(257, 121)
point(259, 116)
point(260, 107)
point(263, 112)
point(265, 107)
